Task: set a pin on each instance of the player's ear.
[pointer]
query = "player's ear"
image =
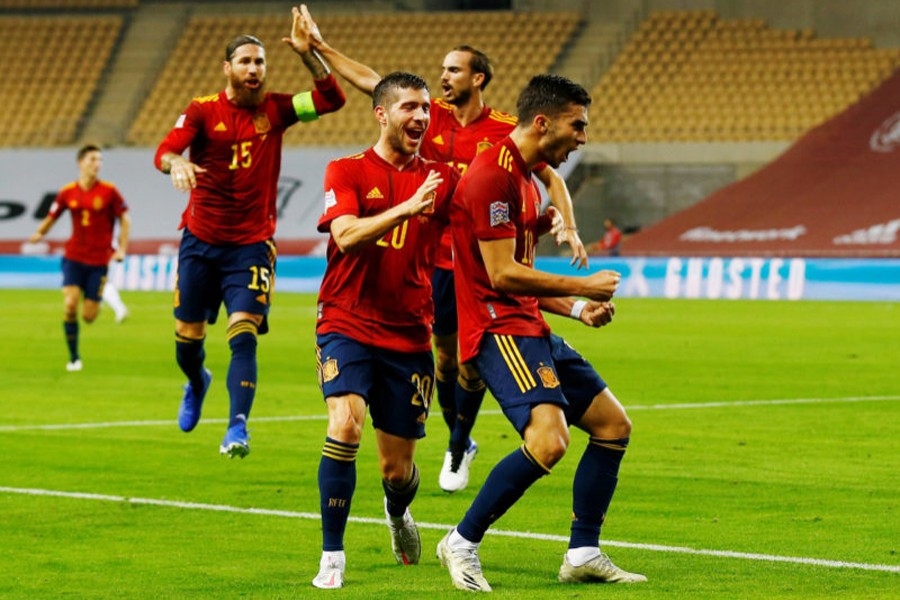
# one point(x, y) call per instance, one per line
point(226, 68)
point(541, 123)
point(478, 80)
point(381, 115)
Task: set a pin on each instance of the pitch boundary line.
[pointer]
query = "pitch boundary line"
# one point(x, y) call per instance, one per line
point(818, 562)
point(634, 407)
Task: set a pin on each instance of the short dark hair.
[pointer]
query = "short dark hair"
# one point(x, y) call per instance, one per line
point(550, 95)
point(479, 63)
point(386, 89)
point(239, 41)
point(87, 148)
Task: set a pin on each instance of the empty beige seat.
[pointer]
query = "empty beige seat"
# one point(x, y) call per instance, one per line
point(64, 58)
point(738, 80)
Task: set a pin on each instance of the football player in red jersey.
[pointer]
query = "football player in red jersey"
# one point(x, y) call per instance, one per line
point(385, 210)
point(95, 206)
point(542, 384)
point(227, 253)
point(462, 126)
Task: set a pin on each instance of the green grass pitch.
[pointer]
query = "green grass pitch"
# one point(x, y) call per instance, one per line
point(716, 463)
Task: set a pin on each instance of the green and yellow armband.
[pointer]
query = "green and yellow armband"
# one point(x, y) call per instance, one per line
point(304, 107)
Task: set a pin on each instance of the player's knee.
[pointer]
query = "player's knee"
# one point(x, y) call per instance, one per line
point(445, 361)
point(624, 427)
point(396, 471)
point(89, 317)
point(468, 372)
point(550, 447)
point(617, 428)
point(345, 428)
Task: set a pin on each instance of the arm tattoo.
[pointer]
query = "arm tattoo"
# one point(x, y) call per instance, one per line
point(315, 64)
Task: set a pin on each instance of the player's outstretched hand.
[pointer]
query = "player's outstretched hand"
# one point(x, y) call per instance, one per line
point(579, 252)
point(601, 285)
point(598, 314)
point(423, 200)
point(311, 28)
point(300, 35)
point(557, 225)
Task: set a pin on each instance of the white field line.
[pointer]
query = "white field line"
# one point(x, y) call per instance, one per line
point(818, 562)
point(322, 417)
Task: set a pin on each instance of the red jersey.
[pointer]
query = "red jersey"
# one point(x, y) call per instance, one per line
point(449, 142)
point(94, 214)
point(381, 295)
point(240, 148)
point(497, 198)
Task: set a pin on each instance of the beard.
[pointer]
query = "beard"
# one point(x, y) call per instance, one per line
point(460, 97)
point(246, 96)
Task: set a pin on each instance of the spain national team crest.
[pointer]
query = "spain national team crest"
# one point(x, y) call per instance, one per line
point(482, 146)
point(261, 123)
point(433, 197)
point(548, 377)
point(330, 369)
point(499, 213)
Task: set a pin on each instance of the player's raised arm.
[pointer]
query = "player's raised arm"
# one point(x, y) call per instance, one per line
point(562, 200)
point(327, 96)
point(362, 77)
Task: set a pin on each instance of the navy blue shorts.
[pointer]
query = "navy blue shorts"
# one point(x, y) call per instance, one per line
point(524, 371)
point(397, 386)
point(243, 277)
point(443, 292)
point(89, 278)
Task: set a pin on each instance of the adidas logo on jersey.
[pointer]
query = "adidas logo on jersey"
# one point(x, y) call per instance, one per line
point(220, 127)
point(439, 140)
point(374, 193)
point(882, 233)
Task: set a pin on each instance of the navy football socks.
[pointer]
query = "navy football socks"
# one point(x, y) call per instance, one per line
point(593, 488)
point(469, 395)
point(71, 329)
point(190, 354)
point(337, 482)
point(504, 486)
point(445, 386)
point(398, 498)
point(242, 370)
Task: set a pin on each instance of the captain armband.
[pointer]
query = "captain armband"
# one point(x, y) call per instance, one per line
point(304, 107)
point(577, 309)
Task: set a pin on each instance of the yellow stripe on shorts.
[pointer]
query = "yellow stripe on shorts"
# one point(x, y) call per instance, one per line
point(515, 362)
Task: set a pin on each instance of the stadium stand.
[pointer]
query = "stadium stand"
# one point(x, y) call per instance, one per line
point(693, 76)
point(67, 4)
point(194, 66)
point(61, 60)
point(832, 193)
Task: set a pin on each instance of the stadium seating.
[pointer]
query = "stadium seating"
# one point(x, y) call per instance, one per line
point(382, 41)
point(67, 4)
point(692, 76)
point(59, 61)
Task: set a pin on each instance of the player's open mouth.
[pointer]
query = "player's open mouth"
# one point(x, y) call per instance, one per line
point(252, 83)
point(415, 134)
